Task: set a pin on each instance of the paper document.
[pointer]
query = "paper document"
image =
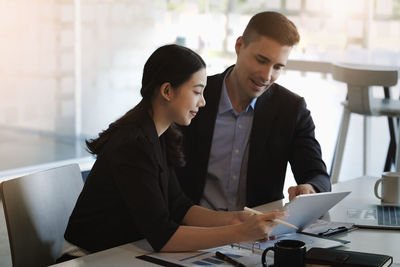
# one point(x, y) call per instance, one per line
point(247, 253)
point(205, 257)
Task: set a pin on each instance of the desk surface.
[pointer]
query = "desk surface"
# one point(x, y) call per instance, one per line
point(365, 240)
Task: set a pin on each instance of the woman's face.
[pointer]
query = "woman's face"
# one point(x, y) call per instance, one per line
point(188, 98)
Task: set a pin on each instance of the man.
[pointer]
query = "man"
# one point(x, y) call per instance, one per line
point(238, 146)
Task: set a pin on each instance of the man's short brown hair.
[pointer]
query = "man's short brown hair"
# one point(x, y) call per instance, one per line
point(273, 25)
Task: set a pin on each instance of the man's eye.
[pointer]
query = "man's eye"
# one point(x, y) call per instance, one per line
point(261, 61)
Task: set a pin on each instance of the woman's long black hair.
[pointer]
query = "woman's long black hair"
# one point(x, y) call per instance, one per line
point(170, 63)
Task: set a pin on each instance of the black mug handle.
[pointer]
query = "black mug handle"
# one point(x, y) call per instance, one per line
point(264, 256)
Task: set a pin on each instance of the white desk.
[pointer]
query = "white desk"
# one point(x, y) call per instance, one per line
point(365, 240)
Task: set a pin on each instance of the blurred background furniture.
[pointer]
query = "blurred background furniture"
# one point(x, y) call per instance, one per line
point(37, 208)
point(360, 100)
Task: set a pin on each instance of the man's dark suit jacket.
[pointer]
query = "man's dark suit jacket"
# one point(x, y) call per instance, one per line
point(282, 132)
point(131, 192)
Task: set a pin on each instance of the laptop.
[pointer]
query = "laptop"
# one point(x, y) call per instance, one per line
point(305, 209)
point(374, 216)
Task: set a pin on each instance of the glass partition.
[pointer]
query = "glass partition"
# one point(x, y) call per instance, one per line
point(69, 68)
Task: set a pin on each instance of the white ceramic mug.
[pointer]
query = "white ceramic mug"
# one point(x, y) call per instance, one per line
point(390, 188)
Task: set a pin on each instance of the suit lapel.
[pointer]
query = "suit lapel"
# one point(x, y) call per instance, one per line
point(264, 115)
point(159, 153)
point(205, 122)
point(164, 170)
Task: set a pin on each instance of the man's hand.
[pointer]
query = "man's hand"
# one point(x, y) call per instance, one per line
point(301, 189)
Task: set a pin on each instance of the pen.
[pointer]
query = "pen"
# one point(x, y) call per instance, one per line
point(275, 220)
point(226, 258)
point(333, 231)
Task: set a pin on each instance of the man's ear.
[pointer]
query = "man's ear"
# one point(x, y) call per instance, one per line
point(239, 43)
point(166, 91)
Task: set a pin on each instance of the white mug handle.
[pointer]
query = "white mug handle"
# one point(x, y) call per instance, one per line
point(376, 188)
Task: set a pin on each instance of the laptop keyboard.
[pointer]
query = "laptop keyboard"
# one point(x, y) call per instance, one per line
point(389, 215)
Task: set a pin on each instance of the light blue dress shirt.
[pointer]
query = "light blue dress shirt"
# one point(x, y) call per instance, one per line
point(225, 187)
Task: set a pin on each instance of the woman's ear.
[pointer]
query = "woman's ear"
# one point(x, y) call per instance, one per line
point(166, 91)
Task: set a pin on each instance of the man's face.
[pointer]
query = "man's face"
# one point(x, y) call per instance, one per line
point(259, 64)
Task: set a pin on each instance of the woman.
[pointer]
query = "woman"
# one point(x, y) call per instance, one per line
point(132, 193)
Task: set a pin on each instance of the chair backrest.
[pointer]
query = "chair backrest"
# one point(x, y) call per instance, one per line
point(359, 79)
point(37, 208)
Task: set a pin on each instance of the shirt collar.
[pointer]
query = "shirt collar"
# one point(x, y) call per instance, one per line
point(225, 103)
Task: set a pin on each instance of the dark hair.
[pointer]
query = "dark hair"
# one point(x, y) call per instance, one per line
point(273, 25)
point(170, 63)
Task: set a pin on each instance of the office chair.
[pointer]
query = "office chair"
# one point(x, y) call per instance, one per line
point(360, 100)
point(37, 208)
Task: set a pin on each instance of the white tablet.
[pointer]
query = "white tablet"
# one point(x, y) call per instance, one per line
point(305, 209)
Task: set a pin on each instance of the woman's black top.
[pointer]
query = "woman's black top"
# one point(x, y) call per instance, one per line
point(131, 193)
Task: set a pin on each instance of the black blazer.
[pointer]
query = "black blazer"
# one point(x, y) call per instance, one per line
point(131, 193)
point(282, 132)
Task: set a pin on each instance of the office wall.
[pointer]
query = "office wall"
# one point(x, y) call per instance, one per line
point(117, 38)
point(36, 65)
point(38, 88)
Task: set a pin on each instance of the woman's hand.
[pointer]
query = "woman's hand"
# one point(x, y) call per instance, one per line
point(240, 216)
point(260, 226)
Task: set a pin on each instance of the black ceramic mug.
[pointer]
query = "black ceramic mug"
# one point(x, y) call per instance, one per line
point(286, 253)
